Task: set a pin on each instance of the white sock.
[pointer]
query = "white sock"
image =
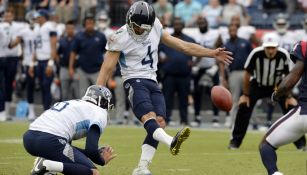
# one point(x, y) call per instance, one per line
point(147, 155)
point(7, 109)
point(161, 136)
point(31, 114)
point(53, 166)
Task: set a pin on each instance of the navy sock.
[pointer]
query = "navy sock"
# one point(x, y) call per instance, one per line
point(149, 140)
point(150, 126)
point(76, 169)
point(269, 157)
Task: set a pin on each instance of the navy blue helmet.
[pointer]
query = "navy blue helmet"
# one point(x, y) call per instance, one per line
point(140, 15)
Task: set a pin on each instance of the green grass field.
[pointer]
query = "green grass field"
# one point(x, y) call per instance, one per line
point(204, 153)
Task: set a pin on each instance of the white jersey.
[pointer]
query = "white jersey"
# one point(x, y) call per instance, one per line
point(139, 59)
point(14, 28)
point(42, 41)
point(70, 119)
point(300, 34)
point(207, 40)
point(4, 38)
point(28, 37)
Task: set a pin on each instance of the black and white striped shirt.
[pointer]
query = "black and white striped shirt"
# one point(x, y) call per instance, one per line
point(267, 72)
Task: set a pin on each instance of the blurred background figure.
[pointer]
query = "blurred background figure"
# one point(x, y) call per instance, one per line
point(240, 49)
point(11, 58)
point(164, 10)
point(89, 46)
point(26, 37)
point(188, 11)
point(69, 85)
point(212, 13)
point(176, 80)
point(233, 8)
point(63, 9)
point(45, 55)
point(205, 72)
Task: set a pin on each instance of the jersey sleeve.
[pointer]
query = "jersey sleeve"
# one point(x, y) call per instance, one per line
point(99, 118)
point(52, 30)
point(299, 52)
point(158, 27)
point(116, 41)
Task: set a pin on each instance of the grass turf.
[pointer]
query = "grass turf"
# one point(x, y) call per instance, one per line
point(204, 153)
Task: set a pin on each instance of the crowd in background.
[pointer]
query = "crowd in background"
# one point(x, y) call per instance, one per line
point(79, 30)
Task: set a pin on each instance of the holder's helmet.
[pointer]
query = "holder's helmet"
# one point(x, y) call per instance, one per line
point(100, 96)
point(139, 20)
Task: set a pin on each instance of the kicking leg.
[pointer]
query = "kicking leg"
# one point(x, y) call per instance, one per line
point(268, 157)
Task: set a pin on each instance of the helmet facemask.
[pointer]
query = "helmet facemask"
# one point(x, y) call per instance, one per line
point(138, 37)
point(140, 19)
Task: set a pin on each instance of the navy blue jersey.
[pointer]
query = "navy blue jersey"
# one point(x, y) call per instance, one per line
point(299, 53)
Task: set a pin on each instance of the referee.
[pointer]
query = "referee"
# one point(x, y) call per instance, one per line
point(264, 69)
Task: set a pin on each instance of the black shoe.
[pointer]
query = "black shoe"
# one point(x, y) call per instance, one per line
point(39, 168)
point(180, 137)
point(232, 146)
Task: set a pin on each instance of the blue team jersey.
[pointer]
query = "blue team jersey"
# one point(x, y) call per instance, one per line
point(299, 52)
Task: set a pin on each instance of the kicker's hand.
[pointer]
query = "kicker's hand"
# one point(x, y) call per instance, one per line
point(223, 56)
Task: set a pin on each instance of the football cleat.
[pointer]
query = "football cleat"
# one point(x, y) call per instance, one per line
point(180, 137)
point(277, 173)
point(39, 168)
point(141, 171)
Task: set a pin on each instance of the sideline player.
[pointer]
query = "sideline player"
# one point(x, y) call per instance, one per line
point(291, 126)
point(138, 41)
point(49, 137)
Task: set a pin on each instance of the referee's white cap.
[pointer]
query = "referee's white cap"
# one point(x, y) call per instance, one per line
point(270, 40)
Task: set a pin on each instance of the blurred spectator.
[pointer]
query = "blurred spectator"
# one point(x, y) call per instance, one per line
point(69, 85)
point(303, 4)
point(212, 13)
point(63, 9)
point(11, 58)
point(233, 8)
point(271, 6)
point(205, 72)
point(245, 31)
point(45, 54)
point(245, 3)
point(203, 2)
point(188, 11)
point(3, 5)
point(292, 6)
point(164, 10)
point(178, 79)
point(89, 45)
point(240, 49)
point(19, 8)
point(118, 9)
point(37, 4)
point(87, 7)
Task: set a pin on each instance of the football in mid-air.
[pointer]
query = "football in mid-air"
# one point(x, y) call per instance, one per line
point(221, 98)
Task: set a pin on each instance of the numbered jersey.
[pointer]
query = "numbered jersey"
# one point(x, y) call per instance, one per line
point(42, 40)
point(71, 119)
point(138, 59)
point(287, 40)
point(28, 37)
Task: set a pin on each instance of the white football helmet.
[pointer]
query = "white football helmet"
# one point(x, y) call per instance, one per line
point(102, 20)
point(281, 23)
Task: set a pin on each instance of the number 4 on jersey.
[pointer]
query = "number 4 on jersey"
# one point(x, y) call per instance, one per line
point(148, 59)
